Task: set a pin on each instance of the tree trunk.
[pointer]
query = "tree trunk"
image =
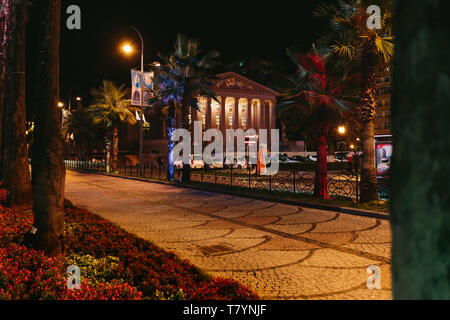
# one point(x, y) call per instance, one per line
point(321, 185)
point(369, 188)
point(4, 25)
point(48, 164)
point(170, 143)
point(186, 109)
point(115, 148)
point(15, 155)
point(420, 187)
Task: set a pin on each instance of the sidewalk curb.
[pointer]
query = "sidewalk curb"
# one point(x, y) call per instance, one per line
point(346, 210)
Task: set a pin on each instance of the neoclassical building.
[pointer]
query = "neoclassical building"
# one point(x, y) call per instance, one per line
point(243, 104)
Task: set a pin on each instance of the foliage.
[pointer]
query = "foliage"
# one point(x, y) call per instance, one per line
point(349, 33)
point(114, 265)
point(315, 94)
point(96, 270)
point(111, 107)
point(14, 224)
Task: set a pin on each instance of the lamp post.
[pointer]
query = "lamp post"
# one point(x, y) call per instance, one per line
point(128, 49)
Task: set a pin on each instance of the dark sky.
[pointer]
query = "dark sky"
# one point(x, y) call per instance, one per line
point(238, 29)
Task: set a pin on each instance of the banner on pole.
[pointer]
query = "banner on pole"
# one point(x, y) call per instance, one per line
point(136, 87)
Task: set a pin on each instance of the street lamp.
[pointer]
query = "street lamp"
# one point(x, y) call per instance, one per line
point(128, 49)
point(342, 130)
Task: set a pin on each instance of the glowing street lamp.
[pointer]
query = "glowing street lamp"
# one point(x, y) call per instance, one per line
point(60, 104)
point(342, 130)
point(128, 49)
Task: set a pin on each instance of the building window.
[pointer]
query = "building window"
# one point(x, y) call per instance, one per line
point(230, 118)
point(244, 121)
point(204, 120)
point(190, 118)
point(217, 121)
point(387, 125)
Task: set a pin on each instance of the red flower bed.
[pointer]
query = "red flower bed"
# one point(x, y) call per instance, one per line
point(137, 269)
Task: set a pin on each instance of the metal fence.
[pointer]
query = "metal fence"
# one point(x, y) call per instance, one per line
point(287, 181)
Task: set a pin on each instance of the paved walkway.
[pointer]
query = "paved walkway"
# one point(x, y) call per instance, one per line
point(281, 251)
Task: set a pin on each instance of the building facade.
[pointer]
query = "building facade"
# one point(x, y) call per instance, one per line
point(383, 100)
point(243, 104)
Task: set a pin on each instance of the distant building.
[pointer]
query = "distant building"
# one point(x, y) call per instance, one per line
point(383, 100)
point(244, 104)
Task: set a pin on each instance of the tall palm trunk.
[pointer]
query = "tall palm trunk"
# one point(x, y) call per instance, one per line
point(321, 181)
point(170, 143)
point(420, 188)
point(48, 164)
point(186, 109)
point(15, 153)
point(115, 148)
point(369, 188)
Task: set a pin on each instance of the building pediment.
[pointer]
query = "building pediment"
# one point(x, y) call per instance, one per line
point(237, 84)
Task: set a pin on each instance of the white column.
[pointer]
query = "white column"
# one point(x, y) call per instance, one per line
point(208, 114)
point(262, 114)
point(249, 114)
point(222, 114)
point(236, 123)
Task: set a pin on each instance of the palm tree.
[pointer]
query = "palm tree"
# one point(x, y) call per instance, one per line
point(48, 170)
point(354, 44)
point(318, 97)
point(167, 96)
point(193, 73)
point(110, 110)
point(15, 154)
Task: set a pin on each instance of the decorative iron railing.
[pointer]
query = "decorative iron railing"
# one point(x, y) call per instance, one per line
point(287, 181)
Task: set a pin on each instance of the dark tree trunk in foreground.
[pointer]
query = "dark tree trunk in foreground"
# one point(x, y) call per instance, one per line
point(4, 24)
point(421, 187)
point(15, 153)
point(48, 164)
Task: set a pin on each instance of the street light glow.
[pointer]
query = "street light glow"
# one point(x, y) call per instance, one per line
point(78, 98)
point(60, 104)
point(127, 49)
point(342, 130)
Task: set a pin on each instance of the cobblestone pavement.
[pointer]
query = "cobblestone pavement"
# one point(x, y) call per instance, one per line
point(281, 251)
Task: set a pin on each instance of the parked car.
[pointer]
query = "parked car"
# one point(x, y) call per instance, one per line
point(298, 159)
point(196, 162)
point(283, 157)
point(311, 158)
point(341, 156)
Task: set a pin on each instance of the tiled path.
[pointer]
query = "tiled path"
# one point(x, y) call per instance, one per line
point(281, 251)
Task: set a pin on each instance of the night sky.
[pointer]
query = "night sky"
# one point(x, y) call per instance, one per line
point(238, 29)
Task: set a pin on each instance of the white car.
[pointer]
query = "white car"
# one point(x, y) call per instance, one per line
point(196, 162)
